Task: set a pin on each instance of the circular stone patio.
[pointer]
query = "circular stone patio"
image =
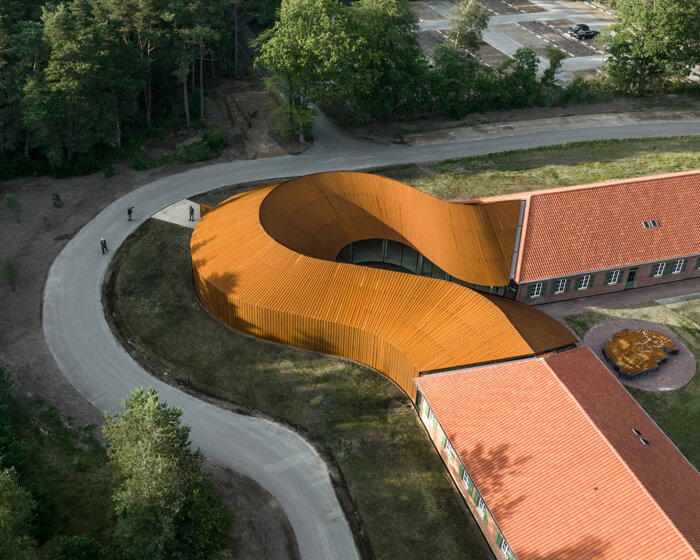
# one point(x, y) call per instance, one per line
point(676, 372)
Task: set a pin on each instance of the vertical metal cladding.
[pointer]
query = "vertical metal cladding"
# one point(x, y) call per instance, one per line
point(262, 263)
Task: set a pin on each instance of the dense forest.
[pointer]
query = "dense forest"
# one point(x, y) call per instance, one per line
point(81, 77)
point(81, 81)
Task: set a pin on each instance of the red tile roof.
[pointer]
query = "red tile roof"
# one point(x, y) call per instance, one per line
point(586, 228)
point(549, 444)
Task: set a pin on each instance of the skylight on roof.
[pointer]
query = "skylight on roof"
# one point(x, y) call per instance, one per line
point(648, 224)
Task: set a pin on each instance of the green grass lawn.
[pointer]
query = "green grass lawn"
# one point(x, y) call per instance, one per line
point(406, 503)
point(677, 412)
point(405, 500)
point(555, 166)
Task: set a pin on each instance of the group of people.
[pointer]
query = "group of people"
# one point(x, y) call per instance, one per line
point(129, 212)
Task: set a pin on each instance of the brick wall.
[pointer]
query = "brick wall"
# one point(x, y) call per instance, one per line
point(598, 283)
point(469, 491)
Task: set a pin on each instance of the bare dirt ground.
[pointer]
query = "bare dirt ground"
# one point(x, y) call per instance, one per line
point(32, 244)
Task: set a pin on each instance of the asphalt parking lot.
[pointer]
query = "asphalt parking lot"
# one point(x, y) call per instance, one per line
point(524, 23)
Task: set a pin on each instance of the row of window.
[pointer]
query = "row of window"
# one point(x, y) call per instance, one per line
point(472, 492)
point(612, 277)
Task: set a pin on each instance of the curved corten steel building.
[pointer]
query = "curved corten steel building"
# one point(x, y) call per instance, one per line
point(264, 262)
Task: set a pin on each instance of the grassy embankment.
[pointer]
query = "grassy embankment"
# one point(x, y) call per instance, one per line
point(401, 491)
point(555, 166)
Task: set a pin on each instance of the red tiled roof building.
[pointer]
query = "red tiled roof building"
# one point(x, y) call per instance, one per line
point(605, 237)
point(557, 461)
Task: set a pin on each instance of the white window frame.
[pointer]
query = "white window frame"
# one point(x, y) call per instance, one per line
point(465, 478)
point(678, 266)
point(432, 419)
point(536, 290)
point(614, 277)
point(449, 449)
point(505, 548)
point(585, 282)
point(561, 286)
point(481, 506)
point(659, 269)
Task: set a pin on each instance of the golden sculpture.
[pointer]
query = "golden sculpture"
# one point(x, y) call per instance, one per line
point(634, 353)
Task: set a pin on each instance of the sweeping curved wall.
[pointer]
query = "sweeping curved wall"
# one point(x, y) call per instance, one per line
point(263, 263)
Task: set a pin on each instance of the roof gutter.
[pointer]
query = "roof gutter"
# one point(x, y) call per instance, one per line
point(518, 234)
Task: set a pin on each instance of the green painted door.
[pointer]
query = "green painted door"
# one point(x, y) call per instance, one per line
point(631, 275)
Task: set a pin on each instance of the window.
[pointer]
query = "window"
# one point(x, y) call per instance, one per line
point(536, 290)
point(450, 450)
point(583, 282)
point(678, 266)
point(646, 225)
point(560, 286)
point(465, 479)
point(481, 506)
point(658, 269)
point(431, 418)
point(505, 549)
point(613, 277)
point(654, 223)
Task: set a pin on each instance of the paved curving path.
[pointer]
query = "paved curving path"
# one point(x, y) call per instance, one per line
point(279, 460)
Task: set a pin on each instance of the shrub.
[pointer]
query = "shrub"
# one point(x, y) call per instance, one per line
point(199, 151)
point(78, 548)
point(215, 139)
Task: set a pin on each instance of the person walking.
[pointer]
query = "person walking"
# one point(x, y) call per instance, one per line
point(191, 213)
point(129, 210)
point(103, 245)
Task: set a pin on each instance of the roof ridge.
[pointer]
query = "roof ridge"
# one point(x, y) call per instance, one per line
point(615, 452)
point(614, 182)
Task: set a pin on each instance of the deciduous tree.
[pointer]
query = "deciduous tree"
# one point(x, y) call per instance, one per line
point(467, 24)
point(304, 49)
point(166, 508)
point(384, 71)
point(652, 40)
point(16, 512)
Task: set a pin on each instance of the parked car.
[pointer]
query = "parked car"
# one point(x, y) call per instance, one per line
point(576, 28)
point(586, 34)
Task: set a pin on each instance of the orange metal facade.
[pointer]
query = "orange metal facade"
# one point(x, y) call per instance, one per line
point(263, 262)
